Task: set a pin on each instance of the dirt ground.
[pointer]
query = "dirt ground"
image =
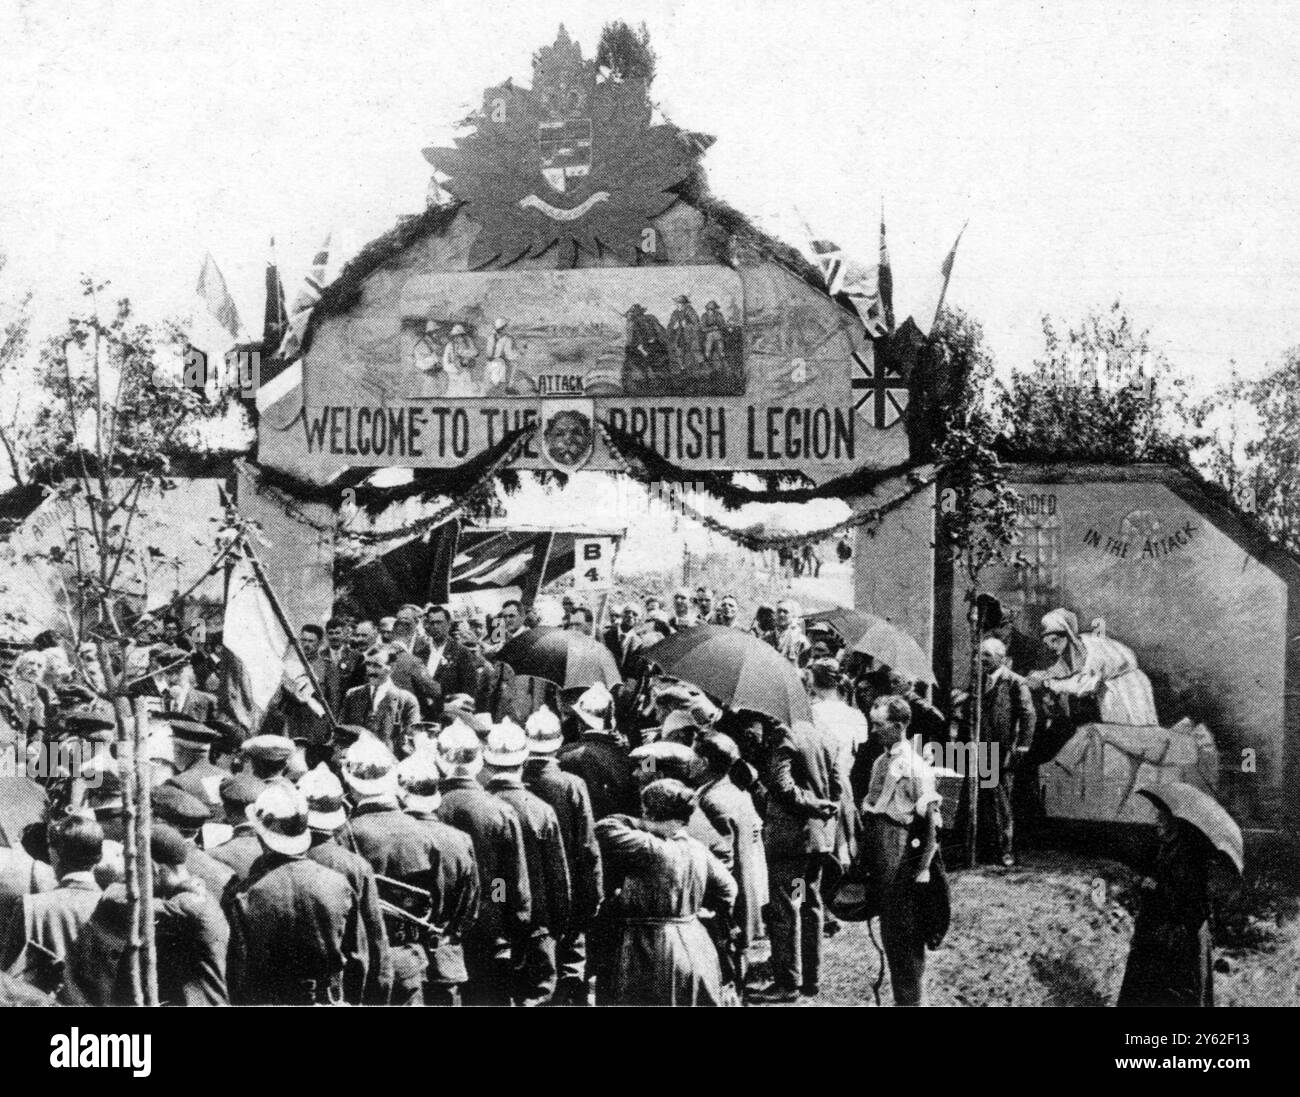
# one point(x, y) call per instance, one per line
point(1054, 931)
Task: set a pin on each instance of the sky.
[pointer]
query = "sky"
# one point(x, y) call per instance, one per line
point(1098, 150)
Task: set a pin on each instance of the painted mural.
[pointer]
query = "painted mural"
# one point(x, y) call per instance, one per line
point(676, 331)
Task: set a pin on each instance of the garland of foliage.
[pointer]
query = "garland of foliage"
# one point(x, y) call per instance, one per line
point(756, 541)
point(660, 470)
point(505, 453)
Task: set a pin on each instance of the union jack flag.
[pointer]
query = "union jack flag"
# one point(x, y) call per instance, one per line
point(883, 391)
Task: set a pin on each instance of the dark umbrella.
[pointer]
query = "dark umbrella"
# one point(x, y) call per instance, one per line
point(884, 641)
point(22, 802)
point(735, 667)
point(569, 659)
point(1205, 813)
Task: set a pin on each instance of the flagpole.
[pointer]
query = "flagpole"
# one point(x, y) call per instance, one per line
point(258, 570)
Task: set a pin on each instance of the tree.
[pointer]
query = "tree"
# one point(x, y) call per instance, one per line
point(15, 327)
point(1253, 448)
point(1099, 392)
point(626, 53)
point(102, 442)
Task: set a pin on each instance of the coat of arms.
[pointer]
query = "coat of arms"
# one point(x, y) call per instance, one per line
point(573, 162)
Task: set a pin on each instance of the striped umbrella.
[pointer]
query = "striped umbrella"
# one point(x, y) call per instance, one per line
point(569, 659)
point(736, 668)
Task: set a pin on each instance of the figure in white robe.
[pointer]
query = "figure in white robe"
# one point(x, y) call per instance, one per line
point(1093, 665)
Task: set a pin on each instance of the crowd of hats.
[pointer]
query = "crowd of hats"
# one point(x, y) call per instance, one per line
point(274, 792)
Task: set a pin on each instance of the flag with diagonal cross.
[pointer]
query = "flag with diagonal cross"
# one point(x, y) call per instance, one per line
point(879, 389)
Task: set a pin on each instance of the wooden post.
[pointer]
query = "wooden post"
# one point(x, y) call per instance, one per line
point(126, 741)
point(972, 758)
point(144, 860)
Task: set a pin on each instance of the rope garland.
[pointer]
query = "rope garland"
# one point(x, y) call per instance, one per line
point(660, 469)
point(481, 485)
point(756, 542)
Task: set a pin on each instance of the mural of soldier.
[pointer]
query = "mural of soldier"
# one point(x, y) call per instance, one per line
point(458, 362)
point(501, 359)
point(647, 365)
point(714, 328)
point(684, 336)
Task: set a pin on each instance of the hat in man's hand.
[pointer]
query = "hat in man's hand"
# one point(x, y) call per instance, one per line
point(280, 819)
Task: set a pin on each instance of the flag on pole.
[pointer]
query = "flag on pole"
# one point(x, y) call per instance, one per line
point(275, 317)
point(885, 277)
point(212, 289)
point(308, 295)
point(858, 282)
point(928, 313)
point(261, 657)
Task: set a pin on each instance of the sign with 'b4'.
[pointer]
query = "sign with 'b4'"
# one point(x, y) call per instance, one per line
point(241, 372)
point(593, 563)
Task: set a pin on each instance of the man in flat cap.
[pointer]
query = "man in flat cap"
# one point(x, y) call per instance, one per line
point(533, 954)
point(454, 894)
point(192, 744)
point(369, 983)
point(295, 925)
point(398, 848)
point(268, 755)
point(567, 795)
point(494, 827)
point(239, 792)
point(187, 814)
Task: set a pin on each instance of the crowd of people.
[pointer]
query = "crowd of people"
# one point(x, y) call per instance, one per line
point(441, 830)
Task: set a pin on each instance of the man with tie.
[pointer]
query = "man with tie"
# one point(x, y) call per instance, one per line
point(385, 710)
point(172, 678)
point(445, 659)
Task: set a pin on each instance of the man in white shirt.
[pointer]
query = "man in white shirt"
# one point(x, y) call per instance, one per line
point(901, 807)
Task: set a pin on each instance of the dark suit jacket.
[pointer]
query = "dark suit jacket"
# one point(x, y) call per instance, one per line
point(455, 896)
point(802, 777)
point(292, 920)
point(498, 837)
point(370, 981)
point(52, 920)
point(411, 675)
point(398, 711)
point(351, 669)
point(548, 868)
point(1007, 716)
point(567, 794)
point(607, 771)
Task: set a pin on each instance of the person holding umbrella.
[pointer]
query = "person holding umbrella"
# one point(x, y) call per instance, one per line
point(1170, 959)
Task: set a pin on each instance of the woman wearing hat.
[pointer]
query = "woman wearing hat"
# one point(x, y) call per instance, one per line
point(655, 950)
point(1169, 960)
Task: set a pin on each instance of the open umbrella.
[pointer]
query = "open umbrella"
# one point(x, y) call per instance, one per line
point(1205, 813)
point(884, 641)
point(562, 656)
point(735, 667)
